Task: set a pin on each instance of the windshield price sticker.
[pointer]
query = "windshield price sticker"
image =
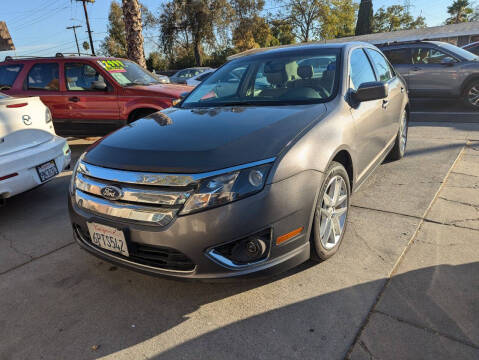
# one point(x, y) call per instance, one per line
point(113, 66)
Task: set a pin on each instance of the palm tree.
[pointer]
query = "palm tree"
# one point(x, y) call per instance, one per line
point(133, 29)
point(364, 24)
point(460, 11)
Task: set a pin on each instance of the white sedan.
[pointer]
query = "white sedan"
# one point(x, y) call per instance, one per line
point(197, 79)
point(30, 151)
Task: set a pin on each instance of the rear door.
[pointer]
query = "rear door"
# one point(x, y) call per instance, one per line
point(43, 80)
point(393, 103)
point(369, 117)
point(401, 60)
point(433, 72)
point(91, 111)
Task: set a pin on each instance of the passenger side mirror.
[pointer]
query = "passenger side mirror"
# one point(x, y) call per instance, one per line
point(370, 91)
point(99, 85)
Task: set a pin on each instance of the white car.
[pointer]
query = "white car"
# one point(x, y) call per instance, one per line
point(197, 79)
point(30, 151)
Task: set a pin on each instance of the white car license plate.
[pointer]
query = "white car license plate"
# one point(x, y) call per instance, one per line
point(47, 170)
point(108, 238)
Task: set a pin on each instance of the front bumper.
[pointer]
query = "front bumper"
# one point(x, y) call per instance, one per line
point(24, 164)
point(281, 207)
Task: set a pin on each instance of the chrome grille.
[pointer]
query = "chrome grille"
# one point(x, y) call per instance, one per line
point(142, 199)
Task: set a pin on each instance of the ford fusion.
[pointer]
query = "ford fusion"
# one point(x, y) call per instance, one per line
point(251, 173)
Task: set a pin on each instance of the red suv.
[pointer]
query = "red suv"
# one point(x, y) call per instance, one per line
point(88, 95)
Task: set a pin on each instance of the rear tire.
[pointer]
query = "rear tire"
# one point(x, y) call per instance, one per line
point(399, 149)
point(331, 213)
point(471, 95)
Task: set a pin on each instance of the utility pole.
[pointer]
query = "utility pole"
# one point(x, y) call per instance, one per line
point(74, 27)
point(88, 24)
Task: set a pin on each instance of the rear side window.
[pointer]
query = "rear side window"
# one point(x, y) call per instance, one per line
point(8, 75)
point(383, 70)
point(424, 55)
point(399, 56)
point(361, 70)
point(80, 77)
point(43, 77)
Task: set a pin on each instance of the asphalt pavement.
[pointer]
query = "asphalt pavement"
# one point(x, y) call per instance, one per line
point(403, 285)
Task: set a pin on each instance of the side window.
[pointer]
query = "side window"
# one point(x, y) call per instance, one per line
point(399, 56)
point(8, 75)
point(80, 77)
point(43, 77)
point(424, 55)
point(360, 68)
point(383, 70)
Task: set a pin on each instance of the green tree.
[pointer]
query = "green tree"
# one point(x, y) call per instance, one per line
point(396, 17)
point(339, 19)
point(460, 11)
point(282, 31)
point(364, 24)
point(190, 25)
point(156, 62)
point(134, 31)
point(305, 18)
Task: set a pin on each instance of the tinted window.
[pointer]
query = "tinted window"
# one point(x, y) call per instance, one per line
point(43, 77)
point(474, 49)
point(204, 76)
point(423, 55)
point(8, 75)
point(382, 67)
point(361, 70)
point(270, 79)
point(80, 77)
point(398, 56)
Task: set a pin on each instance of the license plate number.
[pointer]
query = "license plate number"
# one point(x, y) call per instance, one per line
point(47, 170)
point(108, 238)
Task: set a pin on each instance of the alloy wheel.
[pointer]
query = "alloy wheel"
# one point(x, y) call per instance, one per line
point(473, 96)
point(333, 212)
point(403, 133)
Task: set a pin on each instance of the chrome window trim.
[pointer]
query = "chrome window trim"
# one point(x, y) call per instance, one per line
point(144, 214)
point(137, 195)
point(158, 179)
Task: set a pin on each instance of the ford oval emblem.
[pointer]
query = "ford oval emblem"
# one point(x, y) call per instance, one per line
point(111, 192)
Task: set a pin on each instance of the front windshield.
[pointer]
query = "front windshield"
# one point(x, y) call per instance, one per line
point(128, 73)
point(301, 77)
point(461, 52)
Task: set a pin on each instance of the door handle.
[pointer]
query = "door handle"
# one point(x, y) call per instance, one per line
point(385, 104)
point(74, 99)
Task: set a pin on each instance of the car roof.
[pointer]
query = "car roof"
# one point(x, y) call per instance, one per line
point(300, 47)
point(410, 43)
point(39, 59)
point(471, 45)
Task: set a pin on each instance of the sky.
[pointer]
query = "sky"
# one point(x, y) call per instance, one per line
point(38, 27)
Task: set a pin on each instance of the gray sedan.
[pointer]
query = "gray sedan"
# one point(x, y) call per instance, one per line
point(251, 173)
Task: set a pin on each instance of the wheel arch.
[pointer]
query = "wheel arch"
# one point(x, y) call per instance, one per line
point(142, 109)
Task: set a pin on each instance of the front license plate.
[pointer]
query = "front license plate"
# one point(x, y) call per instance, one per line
point(108, 238)
point(47, 170)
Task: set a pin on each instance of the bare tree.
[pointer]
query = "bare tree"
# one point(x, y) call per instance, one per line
point(133, 29)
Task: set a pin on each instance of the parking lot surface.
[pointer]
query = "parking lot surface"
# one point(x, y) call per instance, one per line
point(403, 285)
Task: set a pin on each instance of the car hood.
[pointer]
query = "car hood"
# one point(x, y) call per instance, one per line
point(201, 140)
point(169, 90)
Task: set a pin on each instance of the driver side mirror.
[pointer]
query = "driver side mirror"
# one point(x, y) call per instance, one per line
point(370, 91)
point(99, 85)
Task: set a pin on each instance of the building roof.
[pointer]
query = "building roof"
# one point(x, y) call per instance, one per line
point(436, 32)
point(6, 42)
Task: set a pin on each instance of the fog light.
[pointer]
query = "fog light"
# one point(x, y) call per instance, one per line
point(255, 178)
point(248, 250)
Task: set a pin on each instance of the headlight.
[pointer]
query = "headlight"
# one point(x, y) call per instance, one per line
point(48, 116)
point(74, 173)
point(222, 189)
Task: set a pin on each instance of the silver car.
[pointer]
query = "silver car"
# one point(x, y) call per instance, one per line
point(251, 173)
point(437, 69)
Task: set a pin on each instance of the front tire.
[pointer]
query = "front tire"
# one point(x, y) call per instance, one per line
point(399, 149)
point(471, 95)
point(331, 213)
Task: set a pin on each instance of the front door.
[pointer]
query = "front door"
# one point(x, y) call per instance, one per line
point(92, 111)
point(369, 117)
point(433, 72)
